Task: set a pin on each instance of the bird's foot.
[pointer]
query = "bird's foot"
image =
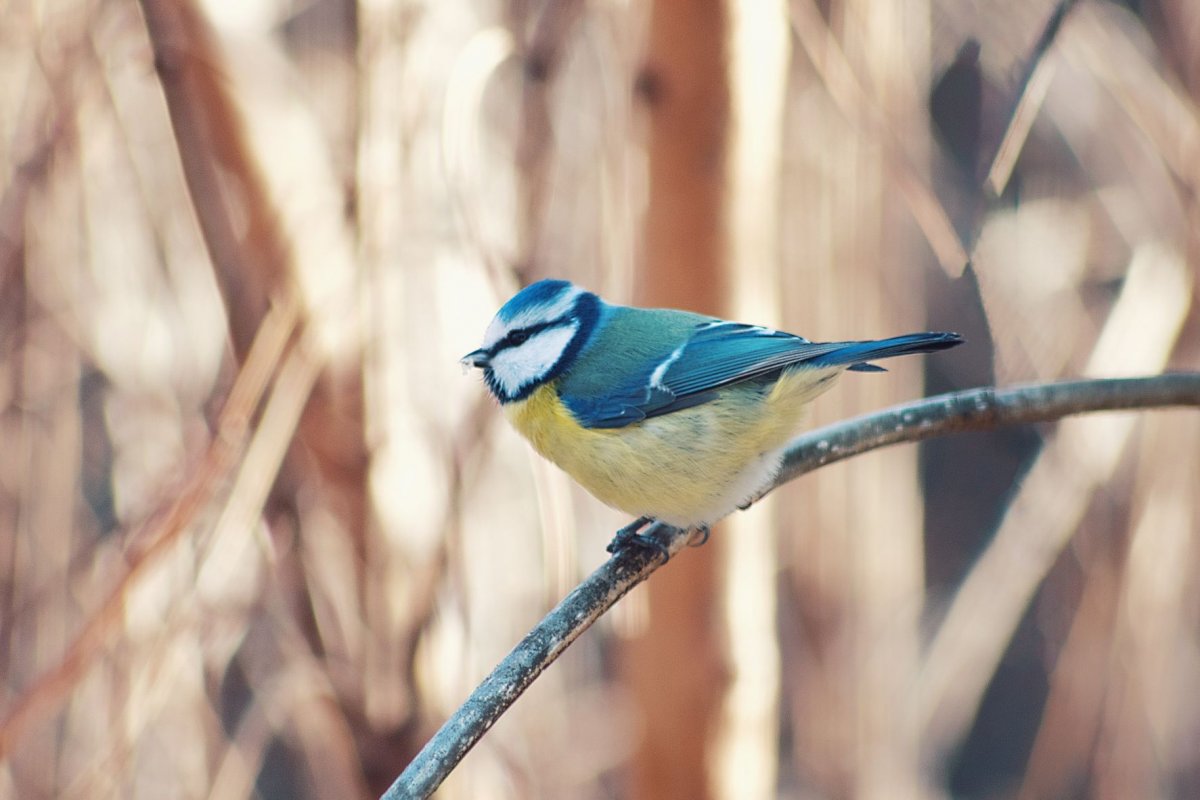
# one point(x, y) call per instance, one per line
point(630, 535)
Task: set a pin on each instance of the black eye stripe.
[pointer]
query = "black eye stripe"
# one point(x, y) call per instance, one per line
point(517, 337)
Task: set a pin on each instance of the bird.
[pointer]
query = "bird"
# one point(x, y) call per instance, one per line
point(664, 414)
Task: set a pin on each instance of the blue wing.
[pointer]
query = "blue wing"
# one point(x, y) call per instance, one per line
point(716, 354)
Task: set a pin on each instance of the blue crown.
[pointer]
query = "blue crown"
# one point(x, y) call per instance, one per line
point(541, 293)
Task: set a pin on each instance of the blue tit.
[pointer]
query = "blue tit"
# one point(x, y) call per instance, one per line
point(663, 414)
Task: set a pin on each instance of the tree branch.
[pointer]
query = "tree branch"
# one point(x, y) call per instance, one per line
point(972, 410)
point(983, 409)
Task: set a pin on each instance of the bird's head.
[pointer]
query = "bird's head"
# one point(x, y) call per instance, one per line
point(534, 338)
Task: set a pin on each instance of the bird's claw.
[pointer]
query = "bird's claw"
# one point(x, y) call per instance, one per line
point(643, 541)
point(630, 535)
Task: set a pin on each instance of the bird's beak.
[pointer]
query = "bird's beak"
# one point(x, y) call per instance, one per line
point(476, 358)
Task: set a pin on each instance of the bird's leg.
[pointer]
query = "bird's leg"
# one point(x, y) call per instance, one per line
point(629, 535)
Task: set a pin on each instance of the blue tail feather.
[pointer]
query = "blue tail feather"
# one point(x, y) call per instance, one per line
point(857, 354)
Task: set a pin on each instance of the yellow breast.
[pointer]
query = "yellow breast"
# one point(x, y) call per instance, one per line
point(687, 468)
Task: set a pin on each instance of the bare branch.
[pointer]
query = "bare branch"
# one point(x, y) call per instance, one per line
point(972, 410)
point(983, 409)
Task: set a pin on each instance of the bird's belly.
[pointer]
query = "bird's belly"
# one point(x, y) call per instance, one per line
point(687, 468)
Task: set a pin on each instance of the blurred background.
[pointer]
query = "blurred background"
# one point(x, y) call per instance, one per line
point(259, 535)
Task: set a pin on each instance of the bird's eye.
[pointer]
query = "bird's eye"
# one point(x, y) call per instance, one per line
point(518, 337)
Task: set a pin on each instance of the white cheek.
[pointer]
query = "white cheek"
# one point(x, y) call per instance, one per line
point(518, 367)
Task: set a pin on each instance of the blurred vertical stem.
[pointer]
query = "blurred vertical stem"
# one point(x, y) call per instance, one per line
point(746, 749)
point(856, 264)
point(683, 87)
point(880, 280)
point(390, 700)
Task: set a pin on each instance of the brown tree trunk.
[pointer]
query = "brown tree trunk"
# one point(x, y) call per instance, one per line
point(675, 668)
